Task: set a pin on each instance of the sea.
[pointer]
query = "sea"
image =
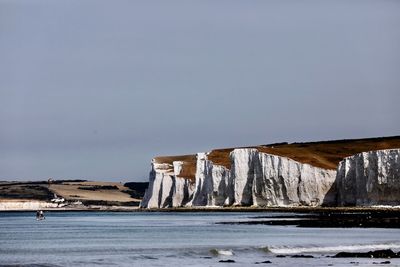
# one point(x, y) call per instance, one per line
point(180, 239)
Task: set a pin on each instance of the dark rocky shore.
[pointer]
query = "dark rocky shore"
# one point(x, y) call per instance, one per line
point(376, 254)
point(331, 219)
point(385, 253)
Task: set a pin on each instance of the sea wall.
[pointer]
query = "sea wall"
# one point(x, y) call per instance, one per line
point(369, 178)
point(255, 179)
point(25, 205)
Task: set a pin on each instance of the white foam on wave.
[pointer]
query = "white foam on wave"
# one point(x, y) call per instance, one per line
point(222, 252)
point(359, 247)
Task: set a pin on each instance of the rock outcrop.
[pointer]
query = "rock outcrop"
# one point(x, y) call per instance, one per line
point(166, 188)
point(262, 179)
point(255, 178)
point(369, 178)
point(213, 184)
point(278, 181)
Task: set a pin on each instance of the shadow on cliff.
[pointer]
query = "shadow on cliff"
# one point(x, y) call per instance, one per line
point(331, 197)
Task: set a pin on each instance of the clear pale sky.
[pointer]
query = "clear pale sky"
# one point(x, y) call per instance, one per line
point(95, 89)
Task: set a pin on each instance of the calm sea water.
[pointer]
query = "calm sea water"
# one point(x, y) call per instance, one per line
point(176, 239)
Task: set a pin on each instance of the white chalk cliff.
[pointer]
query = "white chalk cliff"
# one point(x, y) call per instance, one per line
point(369, 178)
point(166, 188)
point(261, 179)
point(255, 179)
point(213, 186)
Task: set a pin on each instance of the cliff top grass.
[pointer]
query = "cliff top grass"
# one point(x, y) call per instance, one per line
point(322, 154)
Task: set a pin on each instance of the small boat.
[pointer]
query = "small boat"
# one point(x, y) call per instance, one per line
point(40, 215)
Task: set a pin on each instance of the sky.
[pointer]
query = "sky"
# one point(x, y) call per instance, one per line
point(95, 89)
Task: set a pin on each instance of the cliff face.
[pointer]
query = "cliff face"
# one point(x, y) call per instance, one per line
point(262, 179)
point(370, 178)
point(255, 178)
point(279, 181)
point(166, 189)
point(213, 184)
point(335, 173)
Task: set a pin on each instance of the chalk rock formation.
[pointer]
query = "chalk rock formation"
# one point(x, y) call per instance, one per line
point(370, 178)
point(255, 178)
point(213, 184)
point(166, 188)
point(243, 171)
point(262, 179)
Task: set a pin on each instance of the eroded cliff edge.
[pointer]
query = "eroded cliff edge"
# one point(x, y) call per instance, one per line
point(263, 176)
point(369, 178)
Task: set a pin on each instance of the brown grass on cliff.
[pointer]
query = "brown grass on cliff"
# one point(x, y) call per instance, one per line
point(324, 154)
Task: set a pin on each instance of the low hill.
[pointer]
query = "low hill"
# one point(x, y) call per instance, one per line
point(87, 192)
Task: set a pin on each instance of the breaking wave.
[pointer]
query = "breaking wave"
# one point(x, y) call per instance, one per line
point(222, 252)
point(319, 249)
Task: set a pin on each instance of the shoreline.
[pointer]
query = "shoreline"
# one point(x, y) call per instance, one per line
point(303, 217)
point(395, 210)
